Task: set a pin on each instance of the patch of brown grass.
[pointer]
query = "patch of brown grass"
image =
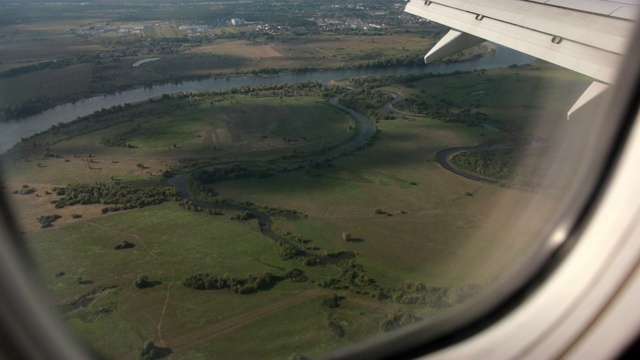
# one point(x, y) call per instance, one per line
point(27, 208)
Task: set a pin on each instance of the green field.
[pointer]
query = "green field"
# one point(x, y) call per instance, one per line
point(53, 62)
point(410, 220)
point(220, 57)
point(160, 135)
point(304, 256)
point(531, 98)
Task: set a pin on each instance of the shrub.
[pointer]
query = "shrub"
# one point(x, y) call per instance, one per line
point(335, 328)
point(398, 320)
point(46, 221)
point(124, 245)
point(142, 281)
point(332, 302)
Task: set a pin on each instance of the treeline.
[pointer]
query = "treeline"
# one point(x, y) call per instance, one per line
point(498, 165)
point(249, 285)
point(371, 82)
point(47, 221)
point(108, 117)
point(119, 140)
point(249, 207)
point(273, 90)
point(398, 320)
point(32, 106)
point(354, 278)
point(369, 103)
point(51, 64)
point(25, 190)
point(507, 166)
point(442, 111)
point(399, 61)
point(232, 172)
point(98, 120)
point(119, 196)
point(414, 59)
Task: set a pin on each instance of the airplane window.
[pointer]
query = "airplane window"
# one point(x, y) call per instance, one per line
point(279, 180)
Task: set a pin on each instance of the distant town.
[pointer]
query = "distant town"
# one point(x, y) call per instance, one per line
point(326, 18)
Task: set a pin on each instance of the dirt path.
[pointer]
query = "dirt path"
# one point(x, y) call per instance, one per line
point(161, 341)
point(213, 331)
point(164, 309)
point(135, 236)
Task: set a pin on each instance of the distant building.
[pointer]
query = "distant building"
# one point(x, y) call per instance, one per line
point(238, 22)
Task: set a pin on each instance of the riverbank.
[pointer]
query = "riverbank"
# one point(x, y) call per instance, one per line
point(12, 131)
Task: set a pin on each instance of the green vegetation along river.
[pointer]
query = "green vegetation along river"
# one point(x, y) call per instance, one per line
point(418, 238)
point(12, 131)
point(265, 221)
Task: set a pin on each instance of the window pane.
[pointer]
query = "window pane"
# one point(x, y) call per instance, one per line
point(254, 180)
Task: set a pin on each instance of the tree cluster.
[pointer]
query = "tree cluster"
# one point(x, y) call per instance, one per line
point(119, 196)
point(46, 221)
point(25, 190)
point(332, 302)
point(288, 252)
point(124, 244)
point(398, 320)
point(142, 282)
point(335, 328)
point(369, 103)
point(355, 279)
point(29, 107)
point(371, 82)
point(291, 214)
point(121, 140)
point(504, 165)
point(229, 172)
point(151, 351)
point(443, 111)
point(243, 216)
point(248, 285)
point(409, 293)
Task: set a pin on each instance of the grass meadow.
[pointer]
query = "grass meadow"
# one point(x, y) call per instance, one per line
point(436, 227)
point(240, 127)
point(33, 43)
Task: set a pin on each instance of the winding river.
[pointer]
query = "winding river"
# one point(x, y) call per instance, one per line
point(443, 156)
point(12, 131)
point(366, 132)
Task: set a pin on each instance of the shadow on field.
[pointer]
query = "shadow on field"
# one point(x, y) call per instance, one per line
point(356, 240)
point(161, 353)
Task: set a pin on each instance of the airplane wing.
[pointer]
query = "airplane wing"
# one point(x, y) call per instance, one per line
point(586, 36)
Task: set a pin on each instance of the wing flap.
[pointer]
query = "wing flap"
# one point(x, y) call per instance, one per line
point(620, 9)
point(557, 35)
point(604, 32)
